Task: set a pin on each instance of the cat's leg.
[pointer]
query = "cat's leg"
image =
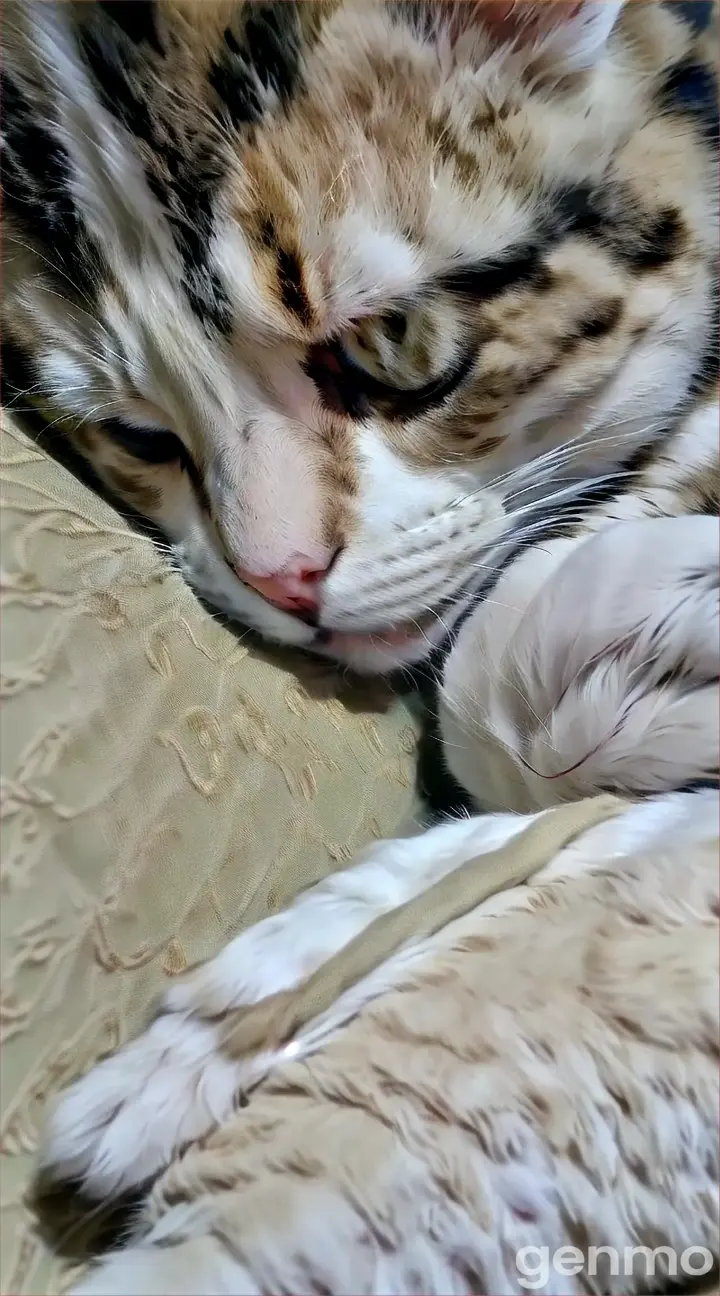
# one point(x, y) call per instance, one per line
point(280, 1199)
point(121, 1124)
point(593, 668)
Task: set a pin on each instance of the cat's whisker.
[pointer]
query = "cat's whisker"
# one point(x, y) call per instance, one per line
point(574, 448)
point(97, 325)
point(542, 468)
point(13, 238)
point(40, 387)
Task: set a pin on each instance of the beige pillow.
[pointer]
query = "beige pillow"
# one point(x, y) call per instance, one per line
point(162, 784)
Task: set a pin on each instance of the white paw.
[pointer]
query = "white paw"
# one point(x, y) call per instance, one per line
point(123, 1122)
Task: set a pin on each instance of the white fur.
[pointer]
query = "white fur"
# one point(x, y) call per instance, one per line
point(373, 266)
point(171, 1085)
point(582, 40)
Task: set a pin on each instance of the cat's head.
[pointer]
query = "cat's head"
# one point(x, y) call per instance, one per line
point(338, 290)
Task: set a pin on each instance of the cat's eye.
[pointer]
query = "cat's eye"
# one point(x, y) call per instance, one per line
point(348, 371)
point(346, 387)
point(151, 445)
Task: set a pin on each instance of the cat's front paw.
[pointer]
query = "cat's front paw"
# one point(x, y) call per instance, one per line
point(120, 1125)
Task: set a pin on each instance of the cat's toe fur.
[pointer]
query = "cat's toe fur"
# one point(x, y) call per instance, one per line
point(121, 1124)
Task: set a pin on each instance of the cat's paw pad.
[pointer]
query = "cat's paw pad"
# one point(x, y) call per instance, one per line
point(121, 1124)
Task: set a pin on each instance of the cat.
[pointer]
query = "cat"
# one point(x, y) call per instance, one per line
point(400, 323)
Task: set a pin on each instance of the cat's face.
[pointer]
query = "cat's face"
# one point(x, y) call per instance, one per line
point(338, 291)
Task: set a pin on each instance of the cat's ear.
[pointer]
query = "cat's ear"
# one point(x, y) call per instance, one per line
point(571, 33)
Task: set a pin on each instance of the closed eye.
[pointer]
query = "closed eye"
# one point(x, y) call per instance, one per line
point(152, 445)
point(347, 388)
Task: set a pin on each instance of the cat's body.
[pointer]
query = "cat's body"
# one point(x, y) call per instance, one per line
point(398, 320)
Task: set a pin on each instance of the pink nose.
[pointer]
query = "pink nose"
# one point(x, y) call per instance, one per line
point(295, 588)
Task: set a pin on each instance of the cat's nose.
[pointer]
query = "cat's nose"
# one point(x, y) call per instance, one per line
point(296, 588)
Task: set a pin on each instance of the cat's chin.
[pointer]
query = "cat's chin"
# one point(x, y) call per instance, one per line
point(382, 652)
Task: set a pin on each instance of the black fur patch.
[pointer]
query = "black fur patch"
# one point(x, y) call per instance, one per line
point(563, 519)
point(292, 288)
point(601, 320)
point(697, 13)
point(644, 240)
point(701, 784)
point(577, 210)
point(208, 300)
point(137, 18)
point(18, 375)
point(151, 445)
point(267, 51)
point(188, 201)
point(235, 90)
point(491, 278)
point(658, 239)
point(110, 56)
point(436, 785)
point(36, 190)
point(690, 87)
